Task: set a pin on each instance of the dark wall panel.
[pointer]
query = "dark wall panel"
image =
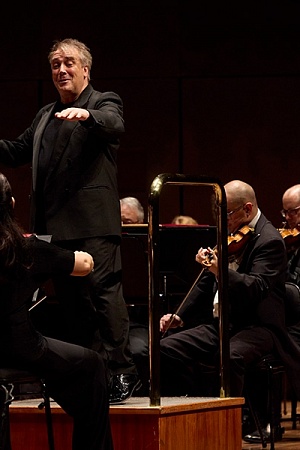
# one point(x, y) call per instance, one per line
point(245, 128)
point(150, 144)
point(19, 105)
point(211, 88)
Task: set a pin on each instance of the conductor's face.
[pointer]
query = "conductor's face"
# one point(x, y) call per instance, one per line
point(69, 76)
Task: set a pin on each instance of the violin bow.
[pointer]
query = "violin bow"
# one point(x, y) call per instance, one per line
point(37, 303)
point(206, 265)
point(183, 302)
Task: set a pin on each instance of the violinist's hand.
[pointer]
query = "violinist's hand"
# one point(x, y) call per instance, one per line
point(166, 319)
point(73, 114)
point(208, 258)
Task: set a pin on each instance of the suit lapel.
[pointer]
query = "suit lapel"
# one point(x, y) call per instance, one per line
point(249, 247)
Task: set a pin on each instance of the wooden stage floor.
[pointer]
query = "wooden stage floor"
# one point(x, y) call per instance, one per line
point(179, 423)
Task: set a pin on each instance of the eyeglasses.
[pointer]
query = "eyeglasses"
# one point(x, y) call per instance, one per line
point(291, 212)
point(229, 214)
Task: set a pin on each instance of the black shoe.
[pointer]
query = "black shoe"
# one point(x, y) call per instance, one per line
point(254, 438)
point(122, 387)
point(247, 423)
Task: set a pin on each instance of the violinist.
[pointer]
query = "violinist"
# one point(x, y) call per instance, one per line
point(291, 232)
point(256, 290)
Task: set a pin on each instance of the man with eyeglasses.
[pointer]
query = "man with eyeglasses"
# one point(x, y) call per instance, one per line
point(291, 206)
point(291, 214)
point(256, 292)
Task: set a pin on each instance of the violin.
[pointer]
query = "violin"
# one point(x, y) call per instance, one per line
point(291, 237)
point(236, 244)
point(238, 241)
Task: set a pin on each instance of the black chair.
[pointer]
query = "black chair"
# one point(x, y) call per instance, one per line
point(294, 417)
point(274, 369)
point(18, 385)
point(292, 314)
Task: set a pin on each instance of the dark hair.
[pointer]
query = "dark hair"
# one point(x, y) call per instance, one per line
point(13, 244)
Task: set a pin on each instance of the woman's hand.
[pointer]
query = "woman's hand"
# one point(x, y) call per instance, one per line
point(83, 264)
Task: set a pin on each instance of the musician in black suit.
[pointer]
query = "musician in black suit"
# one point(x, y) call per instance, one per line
point(256, 290)
point(72, 145)
point(291, 216)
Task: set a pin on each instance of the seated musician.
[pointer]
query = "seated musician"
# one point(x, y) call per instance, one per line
point(291, 215)
point(132, 211)
point(76, 377)
point(184, 220)
point(256, 291)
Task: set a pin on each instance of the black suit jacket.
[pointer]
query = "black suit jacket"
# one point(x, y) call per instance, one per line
point(80, 190)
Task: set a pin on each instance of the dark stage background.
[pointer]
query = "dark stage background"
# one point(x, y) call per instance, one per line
point(209, 87)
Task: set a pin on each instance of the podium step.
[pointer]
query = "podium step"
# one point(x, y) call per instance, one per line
point(181, 423)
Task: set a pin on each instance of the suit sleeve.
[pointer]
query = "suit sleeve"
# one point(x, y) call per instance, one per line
point(50, 259)
point(106, 115)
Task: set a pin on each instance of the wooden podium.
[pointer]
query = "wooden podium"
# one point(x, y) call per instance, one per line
point(179, 423)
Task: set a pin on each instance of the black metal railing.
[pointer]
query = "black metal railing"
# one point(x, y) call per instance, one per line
point(153, 275)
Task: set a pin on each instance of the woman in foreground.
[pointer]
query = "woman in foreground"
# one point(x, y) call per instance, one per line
point(75, 376)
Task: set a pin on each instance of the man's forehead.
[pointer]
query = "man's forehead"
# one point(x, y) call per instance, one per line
point(229, 199)
point(65, 54)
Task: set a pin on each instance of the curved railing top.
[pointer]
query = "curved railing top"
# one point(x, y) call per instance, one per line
point(180, 179)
